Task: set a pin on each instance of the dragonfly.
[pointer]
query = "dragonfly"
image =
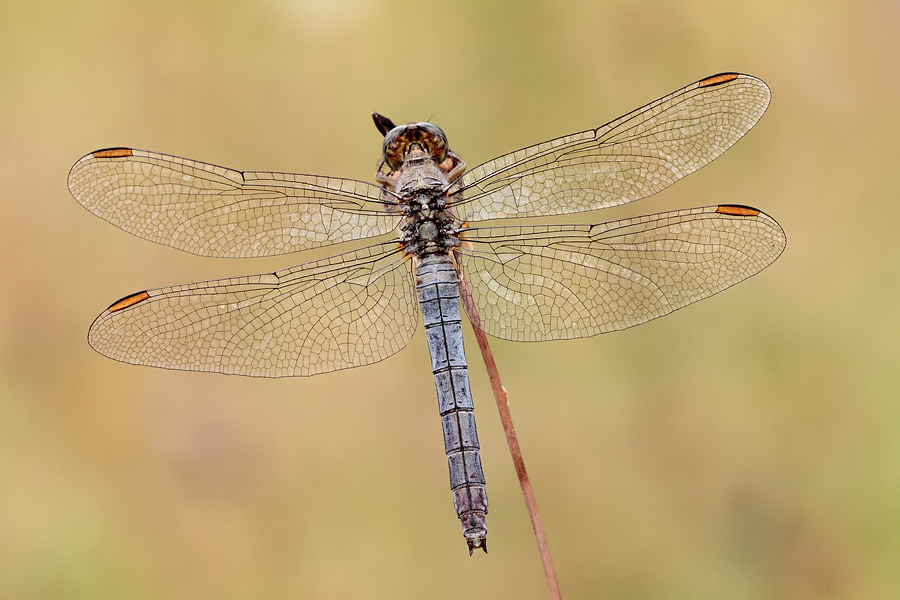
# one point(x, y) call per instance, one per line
point(442, 241)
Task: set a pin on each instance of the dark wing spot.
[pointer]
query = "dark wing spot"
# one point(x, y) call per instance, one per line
point(737, 210)
point(112, 153)
point(717, 79)
point(128, 301)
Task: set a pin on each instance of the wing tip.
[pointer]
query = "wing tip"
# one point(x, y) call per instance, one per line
point(118, 152)
point(740, 210)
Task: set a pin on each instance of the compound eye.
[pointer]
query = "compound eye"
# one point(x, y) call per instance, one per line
point(434, 140)
point(394, 147)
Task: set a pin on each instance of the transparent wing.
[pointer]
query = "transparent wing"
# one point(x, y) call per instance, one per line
point(632, 157)
point(213, 211)
point(345, 311)
point(569, 281)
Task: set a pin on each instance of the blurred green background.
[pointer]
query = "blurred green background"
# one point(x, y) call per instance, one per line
point(745, 447)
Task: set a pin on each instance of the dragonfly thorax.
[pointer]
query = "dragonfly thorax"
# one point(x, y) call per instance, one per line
point(427, 226)
point(426, 232)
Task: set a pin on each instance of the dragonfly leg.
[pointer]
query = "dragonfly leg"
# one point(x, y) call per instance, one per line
point(453, 166)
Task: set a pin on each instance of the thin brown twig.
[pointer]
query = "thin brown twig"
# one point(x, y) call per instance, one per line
point(511, 440)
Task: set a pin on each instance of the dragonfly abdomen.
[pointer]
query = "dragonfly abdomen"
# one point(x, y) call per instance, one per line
point(438, 290)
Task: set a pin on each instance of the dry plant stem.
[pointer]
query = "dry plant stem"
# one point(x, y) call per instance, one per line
point(513, 442)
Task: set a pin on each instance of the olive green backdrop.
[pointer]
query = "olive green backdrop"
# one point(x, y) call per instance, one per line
point(745, 447)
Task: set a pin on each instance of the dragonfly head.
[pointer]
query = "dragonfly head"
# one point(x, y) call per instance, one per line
point(415, 141)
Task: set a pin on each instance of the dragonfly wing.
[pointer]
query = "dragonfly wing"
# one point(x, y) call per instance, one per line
point(345, 311)
point(632, 157)
point(214, 211)
point(569, 281)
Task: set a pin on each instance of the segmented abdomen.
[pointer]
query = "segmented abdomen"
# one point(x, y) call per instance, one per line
point(438, 291)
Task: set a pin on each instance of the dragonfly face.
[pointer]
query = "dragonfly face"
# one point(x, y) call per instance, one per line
point(525, 282)
point(408, 143)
